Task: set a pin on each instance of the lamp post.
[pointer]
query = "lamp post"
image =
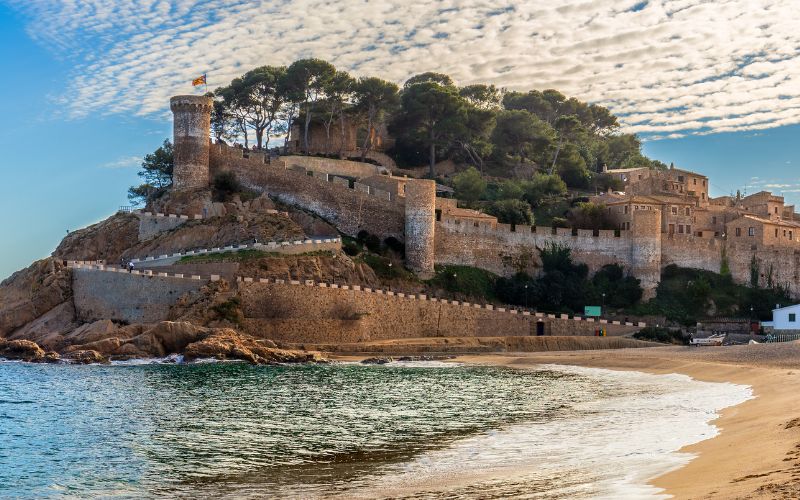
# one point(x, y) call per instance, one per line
point(603, 304)
point(526, 295)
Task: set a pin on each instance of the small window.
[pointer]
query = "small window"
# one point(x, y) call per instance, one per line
point(790, 236)
point(776, 210)
point(674, 210)
point(687, 211)
point(751, 231)
point(776, 232)
point(792, 317)
point(680, 228)
point(640, 176)
point(738, 231)
point(713, 220)
point(695, 181)
point(703, 195)
point(680, 178)
point(704, 184)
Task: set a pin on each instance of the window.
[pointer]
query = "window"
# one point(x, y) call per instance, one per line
point(751, 231)
point(790, 236)
point(776, 210)
point(703, 195)
point(776, 232)
point(680, 228)
point(640, 176)
point(680, 178)
point(738, 231)
point(626, 209)
point(792, 317)
point(686, 211)
point(714, 220)
point(704, 183)
point(695, 181)
point(674, 210)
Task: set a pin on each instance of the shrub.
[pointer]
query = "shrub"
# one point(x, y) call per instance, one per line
point(511, 211)
point(469, 185)
point(663, 335)
point(373, 243)
point(395, 245)
point(469, 281)
point(226, 185)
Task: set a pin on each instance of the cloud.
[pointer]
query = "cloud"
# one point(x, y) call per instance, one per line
point(124, 162)
point(669, 68)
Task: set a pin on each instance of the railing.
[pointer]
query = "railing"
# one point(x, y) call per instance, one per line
point(782, 337)
point(125, 210)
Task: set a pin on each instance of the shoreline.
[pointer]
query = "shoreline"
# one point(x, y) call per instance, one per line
point(756, 453)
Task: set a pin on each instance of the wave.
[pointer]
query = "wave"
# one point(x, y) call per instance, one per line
point(606, 448)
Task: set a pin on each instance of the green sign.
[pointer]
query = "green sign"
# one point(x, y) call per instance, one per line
point(592, 311)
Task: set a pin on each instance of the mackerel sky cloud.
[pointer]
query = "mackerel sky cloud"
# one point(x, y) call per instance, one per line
point(668, 68)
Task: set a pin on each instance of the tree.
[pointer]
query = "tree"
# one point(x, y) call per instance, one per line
point(469, 185)
point(430, 77)
point(511, 211)
point(374, 99)
point(221, 122)
point(156, 173)
point(519, 134)
point(431, 113)
point(567, 129)
point(338, 91)
point(263, 97)
point(542, 186)
point(590, 215)
point(307, 80)
point(486, 97)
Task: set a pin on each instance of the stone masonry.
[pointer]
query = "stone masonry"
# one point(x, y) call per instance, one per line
point(191, 128)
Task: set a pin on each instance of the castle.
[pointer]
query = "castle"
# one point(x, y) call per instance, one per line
point(663, 217)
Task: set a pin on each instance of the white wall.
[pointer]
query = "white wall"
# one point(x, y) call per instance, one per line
point(781, 318)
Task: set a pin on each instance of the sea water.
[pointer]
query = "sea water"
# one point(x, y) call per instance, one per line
point(420, 430)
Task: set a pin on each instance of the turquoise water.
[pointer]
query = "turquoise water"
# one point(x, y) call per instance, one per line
point(234, 430)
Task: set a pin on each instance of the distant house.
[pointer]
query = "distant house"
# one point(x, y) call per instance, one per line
point(785, 318)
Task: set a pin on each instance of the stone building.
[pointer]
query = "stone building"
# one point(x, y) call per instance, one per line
point(663, 217)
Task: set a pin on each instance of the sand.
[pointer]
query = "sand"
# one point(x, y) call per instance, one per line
point(757, 453)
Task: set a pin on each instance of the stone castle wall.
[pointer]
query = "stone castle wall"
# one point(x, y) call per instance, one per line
point(316, 314)
point(345, 168)
point(349, 209)
point(691, 251)
point(126, 297)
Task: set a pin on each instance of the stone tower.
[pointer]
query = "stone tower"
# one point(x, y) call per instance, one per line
point(420, 223)
point(191, 129)
point(646, 249)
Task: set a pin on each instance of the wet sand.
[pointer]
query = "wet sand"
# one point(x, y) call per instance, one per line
point(756, 454)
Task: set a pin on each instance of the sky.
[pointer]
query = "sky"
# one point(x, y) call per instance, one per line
point(712, 86)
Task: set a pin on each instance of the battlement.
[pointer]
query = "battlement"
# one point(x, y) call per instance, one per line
point(471, 226)
point(240, 160)
point(358, 289)
point(194, 103)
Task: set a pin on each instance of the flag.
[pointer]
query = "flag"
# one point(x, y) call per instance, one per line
point(199, 81)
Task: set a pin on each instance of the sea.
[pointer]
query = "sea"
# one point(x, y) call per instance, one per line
point(346, 430)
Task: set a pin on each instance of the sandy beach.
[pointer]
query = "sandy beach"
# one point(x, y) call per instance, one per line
point(756, 454)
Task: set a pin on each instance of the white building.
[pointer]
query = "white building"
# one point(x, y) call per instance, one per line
point(785, 318)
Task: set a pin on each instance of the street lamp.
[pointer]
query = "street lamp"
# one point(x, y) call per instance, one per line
point(603, 305)
point(526, 295)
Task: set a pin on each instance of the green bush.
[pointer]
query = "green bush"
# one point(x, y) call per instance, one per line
point(469, 281)
point(385, 268)
point(226, 185)
point(469, 185)
point(663, 335)
point(511, 211)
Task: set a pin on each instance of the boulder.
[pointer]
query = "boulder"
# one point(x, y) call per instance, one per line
point(92, 332)
point(229, 344)
point(22, 350)
point(86, 357)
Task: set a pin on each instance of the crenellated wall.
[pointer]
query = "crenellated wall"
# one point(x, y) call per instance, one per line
point(350, 209)
point(505, 249)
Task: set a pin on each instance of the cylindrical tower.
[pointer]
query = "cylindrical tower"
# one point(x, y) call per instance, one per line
point(420, 223)
point(191, 129)
point(646, 249)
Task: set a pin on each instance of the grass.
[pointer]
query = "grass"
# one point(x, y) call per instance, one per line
point(469, 281)
point(384, 268)
point(246, 255)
